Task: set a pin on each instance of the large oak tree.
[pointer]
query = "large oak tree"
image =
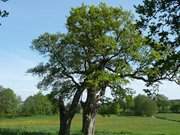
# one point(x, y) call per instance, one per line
point(101, 49)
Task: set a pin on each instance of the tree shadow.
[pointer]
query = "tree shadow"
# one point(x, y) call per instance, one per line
point(164, 118)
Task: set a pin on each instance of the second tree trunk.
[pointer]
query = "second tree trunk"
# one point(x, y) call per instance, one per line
point(89, 113)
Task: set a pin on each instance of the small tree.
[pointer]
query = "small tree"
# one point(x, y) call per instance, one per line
point(124, 96)
point(162, 103)
point(145, 106)
point(53, 98)
point(37, 105)
point(115, 108)
point(109, 108)
point(150, 107)
point(9, 102)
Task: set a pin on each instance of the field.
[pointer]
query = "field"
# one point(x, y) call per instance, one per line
point(164, 124)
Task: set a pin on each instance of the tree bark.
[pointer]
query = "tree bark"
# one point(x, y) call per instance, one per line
point(67, 114)
point(65, 120)
point(89, 113)
point(65, 125)
point(83, 116)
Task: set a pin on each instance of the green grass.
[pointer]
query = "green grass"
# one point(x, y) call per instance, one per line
point(125, 125)
point(169, 116)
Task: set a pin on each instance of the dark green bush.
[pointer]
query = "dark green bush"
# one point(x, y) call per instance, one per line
point(109, 108)
point(175, 108)
point(37, 105)
point(21, 132)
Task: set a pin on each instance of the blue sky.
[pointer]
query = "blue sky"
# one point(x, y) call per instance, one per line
point(29, 19)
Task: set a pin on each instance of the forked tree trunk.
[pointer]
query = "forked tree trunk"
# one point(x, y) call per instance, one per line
point(65, 119)
point(89, 113)
point(67, 114)
point(65, 125)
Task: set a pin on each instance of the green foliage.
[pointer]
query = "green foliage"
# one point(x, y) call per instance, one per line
point(102, 48)
point(37, 105)
point(9, 102)
point(175, 108)
point(159, 23)
point(54, 101)
point(145, 106)
point(162, 103)
point(149, 108)
point(109, 109)
point(124, 96)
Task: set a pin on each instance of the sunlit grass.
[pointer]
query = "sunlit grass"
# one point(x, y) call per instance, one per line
point(130, 124)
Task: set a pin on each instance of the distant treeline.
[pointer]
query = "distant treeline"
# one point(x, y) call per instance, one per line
point(141, 105)
point(39, 104)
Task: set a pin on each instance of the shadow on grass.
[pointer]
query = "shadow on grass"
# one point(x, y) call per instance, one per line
point(107, 133)
point(4, 131)
point(164, 118)
point(20, 132)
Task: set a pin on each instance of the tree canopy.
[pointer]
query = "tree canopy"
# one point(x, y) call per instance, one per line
point(102, 45)
point(37, 105)
point(159, 22)
point(102, 48)
point(9, 102)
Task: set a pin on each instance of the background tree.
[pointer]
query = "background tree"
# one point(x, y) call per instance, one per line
point(106, 109)
point(9, 102)
point(3, 13)
point(175, 108)
point(37, 105)
point(144, 106)
point(162, 103)
point(53, 98)
point(124, 96)
point(159, 22)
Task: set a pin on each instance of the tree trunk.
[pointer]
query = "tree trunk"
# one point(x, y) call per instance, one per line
point(89, 125)
point(65, 125)
point(65, 119)
point(83, 116)
point(67, 113)
point(89, 113)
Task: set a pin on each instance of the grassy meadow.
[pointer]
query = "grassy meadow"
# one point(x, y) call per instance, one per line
point(125, 125)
